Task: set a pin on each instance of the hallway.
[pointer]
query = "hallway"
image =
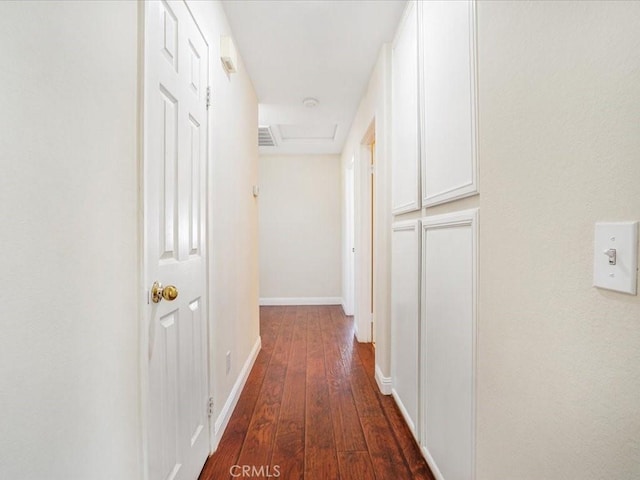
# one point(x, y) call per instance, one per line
point(179, 176)
point(311, 409)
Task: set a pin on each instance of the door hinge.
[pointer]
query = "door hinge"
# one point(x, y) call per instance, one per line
point(208, 97)
point(210, 407)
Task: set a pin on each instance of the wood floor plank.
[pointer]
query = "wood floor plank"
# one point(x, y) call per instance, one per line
point(347, 429)
point(218, 465)
point(355, 466)
point(311, 406)
point(258, 445)
point(407, 443)
point(386, 456)
point(320, 460)
point(363, 392)
point(408, 446)
point(288, 452)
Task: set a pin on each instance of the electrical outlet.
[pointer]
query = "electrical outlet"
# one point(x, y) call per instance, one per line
point(228, 362)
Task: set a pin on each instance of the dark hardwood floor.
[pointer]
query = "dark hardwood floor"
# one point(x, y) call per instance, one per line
point(311, 408)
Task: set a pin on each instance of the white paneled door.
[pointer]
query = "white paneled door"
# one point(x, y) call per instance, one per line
point(405, 139)
point(448, 343)
point(174, 336)
point(405, 319)
point(448, 77)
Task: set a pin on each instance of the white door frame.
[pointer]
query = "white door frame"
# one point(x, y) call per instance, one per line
point(144, 284)
point(364, 204)
point(349, 236)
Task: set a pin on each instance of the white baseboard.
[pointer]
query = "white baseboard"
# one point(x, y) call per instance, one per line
point(234, 395)
point(269, 301)
point(344, 308)
point(384, 383)
point(432, 464)
point(405, 414)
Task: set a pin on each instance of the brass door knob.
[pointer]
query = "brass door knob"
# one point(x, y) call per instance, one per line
point(169, 293)
point(158, 292)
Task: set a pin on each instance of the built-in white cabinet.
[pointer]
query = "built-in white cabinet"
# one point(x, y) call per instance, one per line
point(433, 264)
point(433, 336)
point(434, 105)
point(448, 343)
point(405, 327)
point(448, 100)
point(404, 114)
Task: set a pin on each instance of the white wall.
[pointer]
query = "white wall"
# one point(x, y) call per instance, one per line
point(69, 403)
point(69, 301)
point(559, 375)
point(300, 229)
point(233, 217)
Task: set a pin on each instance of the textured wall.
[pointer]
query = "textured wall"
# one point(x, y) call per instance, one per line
point(300, 226)
point(559, 375)
point(69, 385)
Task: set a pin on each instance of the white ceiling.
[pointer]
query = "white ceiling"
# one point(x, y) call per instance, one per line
point(324, 49)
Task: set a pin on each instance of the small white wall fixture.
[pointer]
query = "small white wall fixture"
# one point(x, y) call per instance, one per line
point(228, 54)
point(405, 319)
point(448, 100)
point(615, 257)
point(448, 343)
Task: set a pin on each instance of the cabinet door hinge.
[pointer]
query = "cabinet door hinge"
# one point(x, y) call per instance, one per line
point(210, 407)
point(208, 97)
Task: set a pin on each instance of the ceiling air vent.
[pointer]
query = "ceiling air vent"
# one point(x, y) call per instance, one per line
point(265, 137)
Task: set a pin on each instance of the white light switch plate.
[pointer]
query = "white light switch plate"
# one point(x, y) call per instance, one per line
point(623, 238)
